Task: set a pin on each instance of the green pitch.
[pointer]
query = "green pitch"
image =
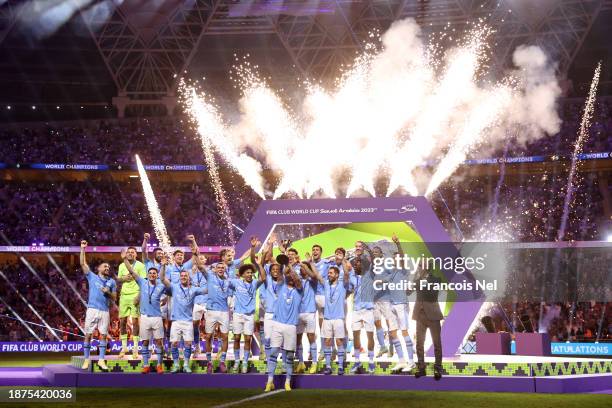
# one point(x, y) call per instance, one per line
point(165, 398)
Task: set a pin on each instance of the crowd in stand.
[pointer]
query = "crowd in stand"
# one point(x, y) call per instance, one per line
point(564, 321)
point(523, 207)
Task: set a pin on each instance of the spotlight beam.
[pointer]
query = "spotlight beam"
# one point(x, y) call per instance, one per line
point(68, 281)
point(49, 290)
point(17, 317)
point(29, 305)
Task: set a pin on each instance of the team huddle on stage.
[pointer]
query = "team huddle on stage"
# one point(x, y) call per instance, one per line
point(291, 297)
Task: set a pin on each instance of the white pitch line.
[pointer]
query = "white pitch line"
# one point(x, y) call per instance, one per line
point(263, 395)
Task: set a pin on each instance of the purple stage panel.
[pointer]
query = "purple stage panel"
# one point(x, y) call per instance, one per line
point(532, 344)
point(493, 343)
point(408, 382)
point(67, 376)
point(573, 383)
point(23, 376)
point(61, 375)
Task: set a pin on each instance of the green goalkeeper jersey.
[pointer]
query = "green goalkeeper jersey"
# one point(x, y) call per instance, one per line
point(131, 287)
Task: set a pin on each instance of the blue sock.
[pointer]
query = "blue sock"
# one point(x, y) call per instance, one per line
point(209, 357)
point(245, 356)
point(357, 355)
point(102, 347)
point(160, 356)
point(267, 346)
point(300, 353)
point(313, 351)
point(196, 335)
point(236, 356)
point(175, 355)
point(398, 348)
point(322, 341)
point(341, 355)
point(328, 352)
point(272, 357)
point(371, 356)
point(289, 364)
point(187, 353)
point(262, 336)
point(410, 350)
point(145, 355)
point(223, 356)
point(380, 336)
point(86, 349)
point(283, 356)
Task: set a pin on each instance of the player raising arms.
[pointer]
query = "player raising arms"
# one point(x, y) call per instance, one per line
point(158, 254)
point(128, 301)
point(245, 288)
point(284, 324)
point(217, 312)
point(102, 291)
point(183, 295)
point(401, 310)
point(321, 265)
point(151, 324)
point(307, 318)
point(273, 282)
point(363, 310)
point(199, 303)
point(333, 316)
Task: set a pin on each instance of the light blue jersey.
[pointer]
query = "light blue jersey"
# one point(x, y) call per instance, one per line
point(334, 300)
point(363, 288)
point(308, 297)
point(97, 299)
point(182, 301)
point(287, 308)
point(152, 264)
point(397, 297)
point(173, 271)
point(232, 269)
point(244, 295)
point(199, 281)
point(218, 292)
point(322, 267)
point(150, 296)
point(272, 289)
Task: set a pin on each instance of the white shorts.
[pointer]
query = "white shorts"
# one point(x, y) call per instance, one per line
point(96, 318)
point(243, 324)
point(320, 302)
point(306, 323)
point(363, 319)
point(151, 326)
point(401, 313)
point(214, 317)
point(268, 323)
point(283, 335)
point(333, 329)
point(198, 312)
point(383, 310)
point(181, 330)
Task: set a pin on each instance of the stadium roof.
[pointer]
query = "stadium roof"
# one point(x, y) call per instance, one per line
point(89, 51)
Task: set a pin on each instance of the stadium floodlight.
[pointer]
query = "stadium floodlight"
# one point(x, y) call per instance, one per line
point(609, 239)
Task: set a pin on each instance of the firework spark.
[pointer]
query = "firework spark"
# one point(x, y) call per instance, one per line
point(583, 135)
point(158, 221)
point(210, 126)
point(220, 197)
point(401, 103)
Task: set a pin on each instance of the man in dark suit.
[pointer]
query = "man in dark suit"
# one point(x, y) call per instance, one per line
point(428, 315)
